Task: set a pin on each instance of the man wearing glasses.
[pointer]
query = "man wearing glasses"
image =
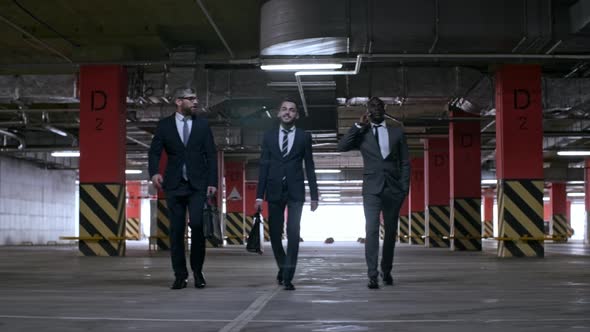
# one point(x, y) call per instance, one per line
point(191, 175)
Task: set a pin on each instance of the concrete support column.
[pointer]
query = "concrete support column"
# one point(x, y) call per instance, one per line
point(103, 113)
point(133, 211)
point(488, 214)
point(436, 192)
point(465, 182)
point(559, 224)
point(587, 201)
point(235, 204)
point(417, 201)
point(404, 222)
point(519, 161)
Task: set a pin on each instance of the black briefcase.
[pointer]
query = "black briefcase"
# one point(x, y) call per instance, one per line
point(211, 222)
point(256, 235)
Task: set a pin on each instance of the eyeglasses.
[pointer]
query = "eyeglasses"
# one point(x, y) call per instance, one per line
point(193, 99)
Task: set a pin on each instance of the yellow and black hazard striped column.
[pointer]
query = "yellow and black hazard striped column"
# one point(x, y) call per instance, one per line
point(102, 216)
point(520, 206)
point(417, 228)
point(133, 229)
point(404, 229)
point(488, 229)
point(266, 232)
point(488, 214)
point(234, 228)
point(437, 226)
point(560, 228)
point(466, 224)
point(381, 231)
point(163, 226)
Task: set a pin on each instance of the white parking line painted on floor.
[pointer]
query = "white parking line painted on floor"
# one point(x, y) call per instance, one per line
point(245, 317)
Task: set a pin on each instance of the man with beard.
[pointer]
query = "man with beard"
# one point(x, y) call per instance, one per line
point(190, 176)
point(281, 178)
point(386, 181)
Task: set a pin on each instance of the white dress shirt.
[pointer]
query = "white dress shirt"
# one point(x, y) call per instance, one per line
point(290, 138)
point(383, 138)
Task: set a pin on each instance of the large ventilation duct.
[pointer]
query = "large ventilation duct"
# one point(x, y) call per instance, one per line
point(303, 27)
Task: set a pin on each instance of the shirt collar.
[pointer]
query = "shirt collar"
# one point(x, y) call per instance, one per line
point(180, 117)
point(292, 130)
point(382, 124)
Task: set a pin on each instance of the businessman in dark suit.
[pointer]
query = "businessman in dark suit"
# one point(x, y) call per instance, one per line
point(386, 180)
point(191, 175)
point(281, 181)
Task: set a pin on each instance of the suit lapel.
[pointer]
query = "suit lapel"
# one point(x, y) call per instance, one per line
point(192, 133)
point(174, 129)
point(296, 143)
point(274, 143)
point(370, 139)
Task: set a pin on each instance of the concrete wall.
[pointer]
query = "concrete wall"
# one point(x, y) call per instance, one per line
point(36, 205)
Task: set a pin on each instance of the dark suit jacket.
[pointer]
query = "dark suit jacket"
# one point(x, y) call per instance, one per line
point(273, 167)
point(394, 170)
point(199, 154)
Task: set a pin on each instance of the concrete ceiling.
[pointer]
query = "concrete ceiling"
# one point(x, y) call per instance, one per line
point(420, 56)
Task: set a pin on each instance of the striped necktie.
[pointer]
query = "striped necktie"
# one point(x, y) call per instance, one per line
point(285, 145)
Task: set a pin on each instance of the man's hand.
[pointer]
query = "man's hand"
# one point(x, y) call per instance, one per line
point(211, 190)
point(314, 205)
point(364, 119)
point(258, 205)
point(157, 181)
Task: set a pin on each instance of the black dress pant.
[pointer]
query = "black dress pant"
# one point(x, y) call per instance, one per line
point(179, 200)
point(286, 262)
point(390, 203)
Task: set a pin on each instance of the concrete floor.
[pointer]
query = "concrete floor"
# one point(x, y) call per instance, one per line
point(52, 289)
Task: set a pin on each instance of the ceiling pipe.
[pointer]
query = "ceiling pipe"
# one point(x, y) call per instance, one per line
point(42, 43)
point(20, 139)
point(210, 19)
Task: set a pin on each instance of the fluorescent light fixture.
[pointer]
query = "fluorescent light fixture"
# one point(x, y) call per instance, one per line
point(576, 194)
point(489, 181)
point(331, 199)
point(56, 131)
point(63, 154)
point(327, 171)
point(573, 153)
point(546, 199)
point(133, 171)
point(339, 181)
point(301, 66)
point(330, 195)
point(576, 182)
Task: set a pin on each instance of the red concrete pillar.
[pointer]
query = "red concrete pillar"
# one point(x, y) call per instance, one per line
point(465, 182)
point(133, 211)
point(235, 204)
point(417, 201)
point(436, 192)
point(519, 160)
point(488, 214)
point(587, 200)
point(404, 222)
point(103, 113)
point(559, 228)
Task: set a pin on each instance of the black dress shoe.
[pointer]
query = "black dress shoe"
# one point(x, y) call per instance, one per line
point(200, 280)
point(179, 283)
point(280, 277)
point(289, 286)
point(387, 278)
point(373, 283)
